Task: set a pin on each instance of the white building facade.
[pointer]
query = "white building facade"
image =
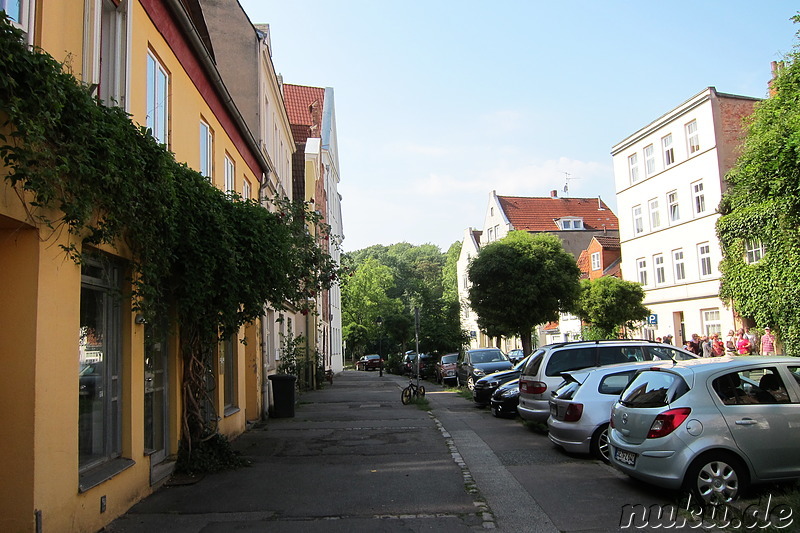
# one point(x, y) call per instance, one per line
point(669, 179)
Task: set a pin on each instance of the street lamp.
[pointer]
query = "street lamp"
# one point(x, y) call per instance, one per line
point(379, 321)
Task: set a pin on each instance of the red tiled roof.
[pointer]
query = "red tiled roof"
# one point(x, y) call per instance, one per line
point(607, 242)
point(550, 326)
point(304, 107)
point(540, 214)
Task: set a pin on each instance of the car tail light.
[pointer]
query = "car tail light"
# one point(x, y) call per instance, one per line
point(532, 387)
point(667, 422)
point(574, 412)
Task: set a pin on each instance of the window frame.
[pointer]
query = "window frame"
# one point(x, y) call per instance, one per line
point(660, 274)
point(712, 321)
point(157, 123)
point(679, 265)
point(698, 198)
point(705, 268)
point(655, 214)
point(668, 150)
point(638, 220)
point(207, 146)
point(641, 271)
point(246, 189)
point(633, 167)
point(229, 184)
point(27, 13)
point(754, 251)
point(673, 206)
point(595, 261)
point(649, 159)
point(692, 138)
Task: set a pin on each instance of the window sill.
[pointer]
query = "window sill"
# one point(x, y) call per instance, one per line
point(232, 410)
point(100, 474)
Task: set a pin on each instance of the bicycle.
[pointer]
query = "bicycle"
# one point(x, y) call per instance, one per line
point(415, 391)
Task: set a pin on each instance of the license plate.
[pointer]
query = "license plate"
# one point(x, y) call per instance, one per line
point(624, 457)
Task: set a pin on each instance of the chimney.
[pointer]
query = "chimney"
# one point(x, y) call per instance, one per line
point(776, 67)
point(554, 194)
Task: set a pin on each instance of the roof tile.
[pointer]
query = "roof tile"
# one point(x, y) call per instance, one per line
point(540, 214)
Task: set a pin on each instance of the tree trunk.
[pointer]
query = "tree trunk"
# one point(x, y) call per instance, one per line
point(525, 336)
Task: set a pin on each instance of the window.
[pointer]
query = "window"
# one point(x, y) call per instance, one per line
point(571, 223)
point(752, 386)
point(672, 206)
point(111, 62)
point(711, 322)
point(100, 364)
point(699, 198)
point(658, 265)
point(157, 87)
point(754, 250)
point(206, 150)
point(638, 221)
point(677, 261)
point(21, 14)
point(692, 137)
point(228, 365)
point(633, 167)
point(669, 152)
point(245, 189)
point(655, 214)
point(596, 261)
point(230, 172)
point(649, 159)
point(704, 256)
point(641, 269)
point(490, 235)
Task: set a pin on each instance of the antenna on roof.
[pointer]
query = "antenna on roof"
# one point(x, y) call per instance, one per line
point(567, 177)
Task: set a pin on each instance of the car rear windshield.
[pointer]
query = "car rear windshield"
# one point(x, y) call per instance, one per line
point(570, 359)
point(614, 384)
point(567, 390)
point(665, 353)
point(652, 388)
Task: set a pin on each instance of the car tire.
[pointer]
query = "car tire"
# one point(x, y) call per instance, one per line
point(716, 477)
point(496, 412)
point(599, 445)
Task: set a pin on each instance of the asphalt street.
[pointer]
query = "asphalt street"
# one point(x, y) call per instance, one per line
point(353, 458)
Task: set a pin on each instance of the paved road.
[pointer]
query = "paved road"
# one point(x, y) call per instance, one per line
point(355, 459)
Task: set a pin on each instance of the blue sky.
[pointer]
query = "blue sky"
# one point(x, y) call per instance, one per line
point(440, 102)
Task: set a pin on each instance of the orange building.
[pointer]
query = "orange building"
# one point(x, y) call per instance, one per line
point(93, 397)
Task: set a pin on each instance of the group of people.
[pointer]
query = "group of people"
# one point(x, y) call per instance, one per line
point(736, 343)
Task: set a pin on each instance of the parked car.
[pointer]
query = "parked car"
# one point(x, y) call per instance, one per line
point(427, 365)
point(581, 406)
point(369, 362)
point(541, 376)
point(485, 387)
point(474, 364)
point(515, 356)
point(408, 360)
point(445, 368)
point(505, 399)
point(711, 426)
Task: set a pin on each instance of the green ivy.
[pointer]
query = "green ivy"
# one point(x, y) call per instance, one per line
point(762, 203)
point(209, 260)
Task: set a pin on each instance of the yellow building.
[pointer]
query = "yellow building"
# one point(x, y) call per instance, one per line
point(93, 398)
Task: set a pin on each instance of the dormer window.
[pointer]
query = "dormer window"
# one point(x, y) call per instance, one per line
point(570, 223)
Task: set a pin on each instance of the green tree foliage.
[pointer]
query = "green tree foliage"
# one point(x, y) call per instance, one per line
point(208, 260)
point(422, 277)
point(521, 281)
point(762, 205)
point(608, 304)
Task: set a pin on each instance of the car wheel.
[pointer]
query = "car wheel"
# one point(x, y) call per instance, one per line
point(496, 412)
point(599, 445)
point(716, 478)
point(470, 383)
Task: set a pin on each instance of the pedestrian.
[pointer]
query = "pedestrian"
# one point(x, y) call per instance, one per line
point(717, 347)
point(742, 343)
point(730, 343)
point(668, 339)
point(767, 342)
point(705, 344)
point(754, 339)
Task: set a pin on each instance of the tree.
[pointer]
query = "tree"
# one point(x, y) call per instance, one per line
point(521, 281)
point(760, 213)
point(609, 303)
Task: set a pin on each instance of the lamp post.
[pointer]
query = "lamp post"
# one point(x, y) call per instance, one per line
point(379, 321)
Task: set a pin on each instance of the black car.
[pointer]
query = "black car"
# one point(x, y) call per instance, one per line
point(427, 366)
point(474, 364)
point(505, 399)
point(515, 355)
point(485, 387)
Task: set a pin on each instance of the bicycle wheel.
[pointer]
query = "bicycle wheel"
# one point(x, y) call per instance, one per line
point(405, 396)
point(421, 391)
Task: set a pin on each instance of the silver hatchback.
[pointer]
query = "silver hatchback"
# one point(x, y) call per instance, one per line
point(710, 426)
point(581, 406)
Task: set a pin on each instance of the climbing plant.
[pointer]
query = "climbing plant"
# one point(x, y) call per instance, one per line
point(208, 259)
point(762, 208)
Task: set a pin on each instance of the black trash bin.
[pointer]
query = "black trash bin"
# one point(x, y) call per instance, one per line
point(283, 395)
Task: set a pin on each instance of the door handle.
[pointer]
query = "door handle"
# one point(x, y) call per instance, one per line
point(746, 422)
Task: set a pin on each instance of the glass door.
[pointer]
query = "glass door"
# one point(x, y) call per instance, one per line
point(155, 393)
